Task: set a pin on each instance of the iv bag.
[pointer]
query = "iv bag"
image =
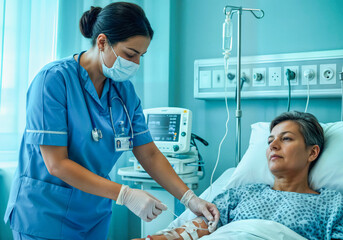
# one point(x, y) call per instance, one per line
point(227, 35)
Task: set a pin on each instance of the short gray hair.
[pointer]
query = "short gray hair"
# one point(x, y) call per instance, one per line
point(309, 127)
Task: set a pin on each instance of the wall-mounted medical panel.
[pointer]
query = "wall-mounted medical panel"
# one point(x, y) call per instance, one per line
point(269, 76)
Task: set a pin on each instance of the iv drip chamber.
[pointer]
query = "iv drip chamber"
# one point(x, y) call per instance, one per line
point(227, 34)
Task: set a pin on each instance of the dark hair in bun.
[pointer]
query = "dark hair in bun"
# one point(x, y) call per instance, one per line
point(118, 21)
point(87, 21)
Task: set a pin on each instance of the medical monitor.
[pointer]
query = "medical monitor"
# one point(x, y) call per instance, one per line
point(170, 128)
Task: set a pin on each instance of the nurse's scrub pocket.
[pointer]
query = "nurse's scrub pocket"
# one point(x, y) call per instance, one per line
point(40, 208)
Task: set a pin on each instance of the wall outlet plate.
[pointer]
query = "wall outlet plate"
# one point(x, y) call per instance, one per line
point(305, 68)
point(323, 82)
point(327, 74)
point(256, 81)
point(218, 79)
point(294, 81)
point(274, 76)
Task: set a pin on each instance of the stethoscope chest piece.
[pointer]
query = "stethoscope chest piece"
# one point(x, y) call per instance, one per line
point(96, 134)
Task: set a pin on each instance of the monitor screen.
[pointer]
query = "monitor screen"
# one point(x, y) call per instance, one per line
point(164, 127)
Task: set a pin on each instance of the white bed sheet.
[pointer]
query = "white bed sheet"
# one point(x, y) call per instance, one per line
point(254, 229)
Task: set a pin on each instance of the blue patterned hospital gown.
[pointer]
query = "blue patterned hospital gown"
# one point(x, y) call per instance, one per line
point(314, 216)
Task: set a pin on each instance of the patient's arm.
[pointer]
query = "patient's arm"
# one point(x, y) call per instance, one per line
point(178, 232)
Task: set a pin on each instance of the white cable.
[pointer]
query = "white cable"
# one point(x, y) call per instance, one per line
point(226, 66)
point(308, 94)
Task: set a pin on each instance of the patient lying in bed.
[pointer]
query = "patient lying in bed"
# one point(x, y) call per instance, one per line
point(295, 142)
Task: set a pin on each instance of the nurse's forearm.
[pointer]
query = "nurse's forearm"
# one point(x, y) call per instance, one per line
point(159, 168)
point(165, 175)
point(76, 175)
point(85, 180)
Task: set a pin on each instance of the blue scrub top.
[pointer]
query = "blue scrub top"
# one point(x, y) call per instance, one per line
point(41, 204)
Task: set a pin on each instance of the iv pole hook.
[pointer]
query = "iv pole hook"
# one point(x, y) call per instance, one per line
point(252, 10)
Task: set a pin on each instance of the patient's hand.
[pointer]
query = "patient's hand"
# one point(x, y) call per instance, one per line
point(198, 222)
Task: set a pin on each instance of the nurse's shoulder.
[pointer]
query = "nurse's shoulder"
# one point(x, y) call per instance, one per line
point(56, 72)
point(51, 80)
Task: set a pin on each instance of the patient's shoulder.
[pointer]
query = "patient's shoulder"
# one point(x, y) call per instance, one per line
point(331, 201)
point(331, 194)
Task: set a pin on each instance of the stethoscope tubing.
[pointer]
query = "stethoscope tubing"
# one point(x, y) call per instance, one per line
point(109, 101)
point(83, 90)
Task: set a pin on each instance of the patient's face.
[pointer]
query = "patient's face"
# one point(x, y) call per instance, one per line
point(287, 152)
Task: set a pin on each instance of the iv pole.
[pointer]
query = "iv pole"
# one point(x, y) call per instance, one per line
point(228, 11)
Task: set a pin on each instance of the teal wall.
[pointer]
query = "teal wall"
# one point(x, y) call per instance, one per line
point(288, 26)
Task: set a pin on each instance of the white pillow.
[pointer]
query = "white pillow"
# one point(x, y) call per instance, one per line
point(327, 172)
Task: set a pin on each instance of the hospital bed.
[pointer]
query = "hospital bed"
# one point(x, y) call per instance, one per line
point(253, 168)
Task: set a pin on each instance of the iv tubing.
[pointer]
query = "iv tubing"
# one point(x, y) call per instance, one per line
point(226, 67)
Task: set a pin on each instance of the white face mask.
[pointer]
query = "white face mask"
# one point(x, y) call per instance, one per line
point(121, 70)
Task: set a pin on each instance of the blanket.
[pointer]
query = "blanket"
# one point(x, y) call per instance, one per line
point(253, 229)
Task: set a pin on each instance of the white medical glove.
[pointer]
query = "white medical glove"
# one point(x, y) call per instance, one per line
point(141, 203)
point(200, 207)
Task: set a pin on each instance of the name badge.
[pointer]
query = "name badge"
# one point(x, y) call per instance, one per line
point(123, 144)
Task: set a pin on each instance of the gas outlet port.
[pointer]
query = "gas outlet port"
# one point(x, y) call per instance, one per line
point(259, 77)
point(292, 73)
point(231, 78)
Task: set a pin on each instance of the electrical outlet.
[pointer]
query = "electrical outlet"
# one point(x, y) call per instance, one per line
point(274, 76)
point(231, 78)
point(218, 79)
point(309, 72)
point(294, 81)
point(259, 77)
point(328, 74)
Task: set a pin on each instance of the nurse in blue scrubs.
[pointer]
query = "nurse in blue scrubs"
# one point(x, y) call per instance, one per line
point(82, 113)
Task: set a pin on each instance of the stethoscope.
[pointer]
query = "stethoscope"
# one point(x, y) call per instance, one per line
point(96, 133)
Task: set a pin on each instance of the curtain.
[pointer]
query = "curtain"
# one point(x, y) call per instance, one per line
point(28, 42)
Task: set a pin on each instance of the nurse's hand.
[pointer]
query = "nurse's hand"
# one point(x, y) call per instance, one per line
point(141, 203)
point(200, 207)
